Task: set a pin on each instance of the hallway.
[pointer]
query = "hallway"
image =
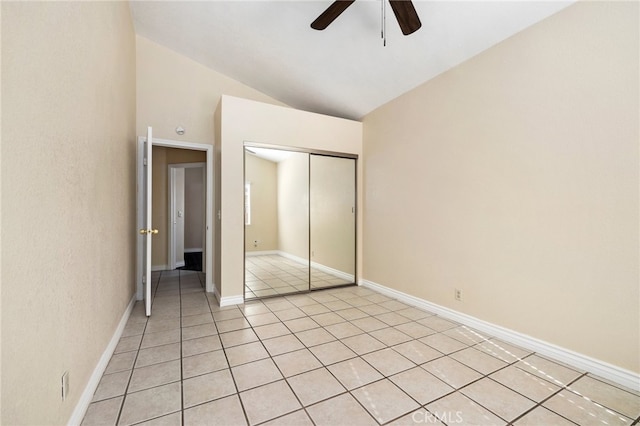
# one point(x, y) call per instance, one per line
point(333, 357)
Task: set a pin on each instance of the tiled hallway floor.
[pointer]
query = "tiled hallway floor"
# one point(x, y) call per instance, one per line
point(347, 356)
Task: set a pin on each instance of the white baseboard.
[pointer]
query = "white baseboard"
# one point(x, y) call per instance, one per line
point(599, 368)
point(94, 380)
point(229, 300)
point(193, 250)
point(334, 272)
point(293, 257)
point(261, 253)
point(180, 264)
point(318, 266)
point(157, 268)
point(216, 293)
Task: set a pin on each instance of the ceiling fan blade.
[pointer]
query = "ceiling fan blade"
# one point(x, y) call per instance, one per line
point(329, 15)
point(406, 15)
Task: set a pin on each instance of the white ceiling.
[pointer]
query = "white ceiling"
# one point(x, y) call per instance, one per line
point(345, 70)
point(273, 155)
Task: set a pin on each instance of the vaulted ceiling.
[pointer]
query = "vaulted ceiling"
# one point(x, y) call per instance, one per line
point(345, 70)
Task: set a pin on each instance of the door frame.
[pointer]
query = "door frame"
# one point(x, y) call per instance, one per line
point(209, 229)
point(311, 152)
point(171, 241)
point(172, 217)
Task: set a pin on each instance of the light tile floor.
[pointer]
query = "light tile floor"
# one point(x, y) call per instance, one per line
point(345, 356)
point(272, 274)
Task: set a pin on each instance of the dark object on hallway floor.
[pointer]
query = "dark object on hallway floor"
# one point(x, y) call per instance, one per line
point(192, 261)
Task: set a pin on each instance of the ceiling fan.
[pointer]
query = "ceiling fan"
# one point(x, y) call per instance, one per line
point(403, 9)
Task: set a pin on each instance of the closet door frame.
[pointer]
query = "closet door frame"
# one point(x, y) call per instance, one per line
point(310, 151)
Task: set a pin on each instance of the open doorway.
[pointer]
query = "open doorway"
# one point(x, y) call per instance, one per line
point(165, 152)
point(168, 214)
point(186, 214)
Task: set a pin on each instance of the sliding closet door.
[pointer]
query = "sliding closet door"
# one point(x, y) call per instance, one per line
point(332, 220)
point(276, 195)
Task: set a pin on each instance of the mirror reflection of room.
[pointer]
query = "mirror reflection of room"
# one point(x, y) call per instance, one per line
point(276, 222)
point(332, 223)
point(299, 221)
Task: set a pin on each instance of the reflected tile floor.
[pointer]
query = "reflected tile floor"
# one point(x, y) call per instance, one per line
point(272, 275)
point(306, 359)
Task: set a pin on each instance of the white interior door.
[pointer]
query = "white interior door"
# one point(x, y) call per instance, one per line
point(148, 230)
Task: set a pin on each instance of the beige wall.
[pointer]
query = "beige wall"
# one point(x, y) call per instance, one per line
point(243, 120)
point(68, 197)
point(162, 157)
point(514, 177)
point(174, 90)
point(261, 174)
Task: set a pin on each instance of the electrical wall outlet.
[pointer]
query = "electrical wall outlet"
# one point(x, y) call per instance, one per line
point(65, 385)
point(457, 294)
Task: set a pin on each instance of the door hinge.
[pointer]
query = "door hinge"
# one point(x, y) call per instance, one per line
point(144, 161)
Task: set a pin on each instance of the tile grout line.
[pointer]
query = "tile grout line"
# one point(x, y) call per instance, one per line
point(179, 295)
point(321, 366)
point(482, 377)
point(360, 356)
point(310, 287)
point(323, 302)
point(385, 377)
point(156, 286)
point(226, 357)
point(133, 366)
point(541, 402)
point(285, 378)
point(271, 357)
point(444, 355)
point(181, 355)
point(325, 367)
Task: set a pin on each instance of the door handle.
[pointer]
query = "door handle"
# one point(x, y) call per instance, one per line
point(148, 231)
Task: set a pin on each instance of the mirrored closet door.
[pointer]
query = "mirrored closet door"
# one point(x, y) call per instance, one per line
point(332, 220)
point(276, 222)
point(300, 227)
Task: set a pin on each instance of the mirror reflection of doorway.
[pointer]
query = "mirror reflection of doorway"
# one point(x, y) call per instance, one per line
point(299, 221)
